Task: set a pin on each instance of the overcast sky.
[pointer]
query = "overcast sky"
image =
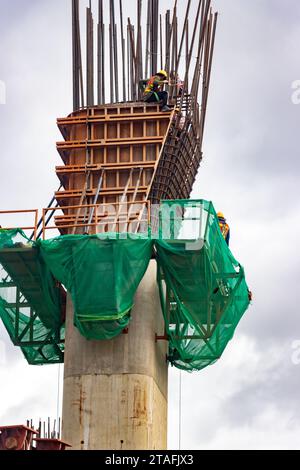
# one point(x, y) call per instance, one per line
point(250, 398)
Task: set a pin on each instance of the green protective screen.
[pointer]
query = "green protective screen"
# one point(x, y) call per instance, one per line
point(202, 287)
point(102, 274)
point(30, 300)
point(203, 294)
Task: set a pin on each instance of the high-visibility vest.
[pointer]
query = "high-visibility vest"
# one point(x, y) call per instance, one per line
point(153, 85)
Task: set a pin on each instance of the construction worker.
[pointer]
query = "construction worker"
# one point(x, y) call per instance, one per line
point(153, 90)
point(224, 227)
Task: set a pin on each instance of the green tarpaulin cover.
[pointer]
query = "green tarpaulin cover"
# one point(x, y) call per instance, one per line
point(102, 275)
point(202, 287)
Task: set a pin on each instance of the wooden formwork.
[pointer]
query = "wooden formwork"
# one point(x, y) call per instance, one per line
point(110, 154)
point(121, 157)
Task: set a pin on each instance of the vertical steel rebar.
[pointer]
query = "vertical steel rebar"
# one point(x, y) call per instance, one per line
point(161, 41)
point(123, 51)
point(90, 58)
point(100, 52)
point(129, 88)
point(203, 117)
point(139, 50)
point(111, 64)
point(166, 42)
point(114, 49)
point(147, 51)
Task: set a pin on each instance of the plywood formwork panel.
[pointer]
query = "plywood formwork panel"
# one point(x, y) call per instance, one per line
point(119, 145)
point(137, 152)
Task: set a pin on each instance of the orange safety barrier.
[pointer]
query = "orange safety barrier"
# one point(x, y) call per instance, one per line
point(28, 211)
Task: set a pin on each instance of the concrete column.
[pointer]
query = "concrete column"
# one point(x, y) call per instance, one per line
point(115, 392)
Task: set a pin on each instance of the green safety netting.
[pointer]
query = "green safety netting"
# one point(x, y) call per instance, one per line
point(30, 301)
point(202, 287)
point(203, 294)
point(102, 273)
point(20, 258)
point(42, 347)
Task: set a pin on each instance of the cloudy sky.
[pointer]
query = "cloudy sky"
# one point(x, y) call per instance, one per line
point(250, 398)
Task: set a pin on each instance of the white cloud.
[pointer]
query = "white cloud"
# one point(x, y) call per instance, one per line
point(209, 401)
point(28, 392)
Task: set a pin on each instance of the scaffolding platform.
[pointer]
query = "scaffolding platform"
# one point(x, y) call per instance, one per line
point(31, 309)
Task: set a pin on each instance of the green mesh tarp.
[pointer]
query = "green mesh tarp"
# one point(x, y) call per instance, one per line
point(20, 259)
point(102, 274)
point(203, 290)
point(39, 346)
point(203, 294)
point(30, 302)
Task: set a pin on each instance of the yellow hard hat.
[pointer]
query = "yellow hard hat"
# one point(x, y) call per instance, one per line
point(163, 73)
point(221, 215)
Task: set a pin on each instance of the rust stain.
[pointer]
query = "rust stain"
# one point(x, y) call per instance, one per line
point(140, 400)
point(80, 403)
point(82, 397)
point(123, 397)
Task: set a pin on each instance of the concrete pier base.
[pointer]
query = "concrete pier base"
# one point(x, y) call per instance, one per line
point(115, 392)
